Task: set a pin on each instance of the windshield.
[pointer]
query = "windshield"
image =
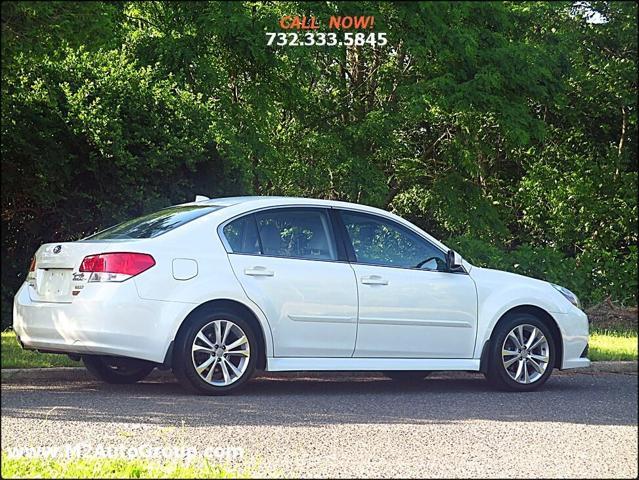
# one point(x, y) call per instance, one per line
point(154, 224)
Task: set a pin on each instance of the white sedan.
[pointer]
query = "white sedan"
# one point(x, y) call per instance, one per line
point(216, 289)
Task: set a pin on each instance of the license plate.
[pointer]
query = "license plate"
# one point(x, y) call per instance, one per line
point(55, 284)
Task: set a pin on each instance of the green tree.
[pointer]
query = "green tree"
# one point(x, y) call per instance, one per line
point(507, 129)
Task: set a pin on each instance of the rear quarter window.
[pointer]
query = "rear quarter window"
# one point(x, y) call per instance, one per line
point(154, 224)
point(241, 235)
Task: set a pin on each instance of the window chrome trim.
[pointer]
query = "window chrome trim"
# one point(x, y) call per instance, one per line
point(229, 251)
point(323, 209)
point(392, 220)
point(401, 225)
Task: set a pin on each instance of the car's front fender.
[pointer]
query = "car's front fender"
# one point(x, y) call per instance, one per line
point(499, 292)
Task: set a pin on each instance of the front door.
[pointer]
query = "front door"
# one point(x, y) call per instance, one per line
point(409, 305)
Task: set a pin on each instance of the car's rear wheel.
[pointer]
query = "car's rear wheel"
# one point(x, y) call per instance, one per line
point(521, 354)
point(117, 369)
point(216, 354)
point(407, 375)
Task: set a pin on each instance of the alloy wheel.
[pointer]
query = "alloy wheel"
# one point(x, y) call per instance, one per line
point(525, 354)
point(220, 353)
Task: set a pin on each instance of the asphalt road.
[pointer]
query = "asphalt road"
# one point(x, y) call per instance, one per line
point(452, 425)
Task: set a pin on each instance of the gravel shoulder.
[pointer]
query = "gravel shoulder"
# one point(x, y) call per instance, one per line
point(451, 425)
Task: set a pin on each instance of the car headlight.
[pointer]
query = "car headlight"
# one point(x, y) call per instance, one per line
point(571, 297)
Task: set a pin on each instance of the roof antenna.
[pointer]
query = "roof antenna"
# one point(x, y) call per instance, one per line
point(201, 198)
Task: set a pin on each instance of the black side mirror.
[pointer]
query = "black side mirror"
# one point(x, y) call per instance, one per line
point(453, 260)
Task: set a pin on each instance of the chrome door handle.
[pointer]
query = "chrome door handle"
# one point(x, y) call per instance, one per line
point(258, 272)
point(374, 280)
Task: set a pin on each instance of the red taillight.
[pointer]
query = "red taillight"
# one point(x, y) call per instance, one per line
point(121, 263)
point(31, 274)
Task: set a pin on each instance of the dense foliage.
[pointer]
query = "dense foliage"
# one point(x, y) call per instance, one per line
point(508, 130)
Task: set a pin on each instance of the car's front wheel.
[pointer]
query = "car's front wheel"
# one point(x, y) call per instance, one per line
point(216, 353)
point(117, 369)
point(521, 354)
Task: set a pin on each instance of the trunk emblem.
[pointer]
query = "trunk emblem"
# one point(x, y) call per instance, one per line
point(57, 249)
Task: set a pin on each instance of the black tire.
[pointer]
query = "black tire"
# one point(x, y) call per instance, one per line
point(407, 375)
point(497, 373)
point(119, 370)
point(183, 367)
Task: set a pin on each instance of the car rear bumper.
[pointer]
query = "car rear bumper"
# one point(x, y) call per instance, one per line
point(105, 319)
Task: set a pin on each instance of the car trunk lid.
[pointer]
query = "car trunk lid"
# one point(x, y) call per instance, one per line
point(57, 269)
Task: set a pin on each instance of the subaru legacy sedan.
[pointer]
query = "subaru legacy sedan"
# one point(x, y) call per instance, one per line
point(218, 288)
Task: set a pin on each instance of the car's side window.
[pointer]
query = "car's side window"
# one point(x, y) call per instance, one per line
point(377, 241)
point(296, 233)
point(241, 235)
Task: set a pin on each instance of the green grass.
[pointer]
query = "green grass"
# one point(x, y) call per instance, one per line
point(13, 356)
point(112, 468)
point(604, 345)
point(612, 345)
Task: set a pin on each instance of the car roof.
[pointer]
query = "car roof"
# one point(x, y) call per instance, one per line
point(228, 201)
point(257, 201)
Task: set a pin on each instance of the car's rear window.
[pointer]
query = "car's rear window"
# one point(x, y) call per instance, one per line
point(154, 224)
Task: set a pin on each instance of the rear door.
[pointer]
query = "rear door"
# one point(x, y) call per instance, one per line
point(288, 264)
